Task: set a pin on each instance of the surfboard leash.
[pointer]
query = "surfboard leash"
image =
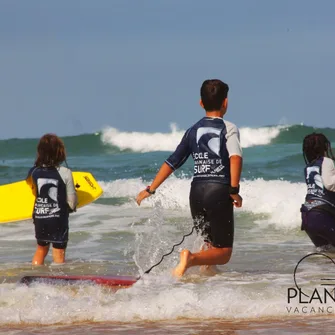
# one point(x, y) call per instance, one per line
point(171, 250)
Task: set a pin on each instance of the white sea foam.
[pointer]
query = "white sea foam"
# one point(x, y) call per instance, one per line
point(152, 298)
point(248, 288)
point(147, 142)
point(259, 136)
point(275, 202)
point(142, 142)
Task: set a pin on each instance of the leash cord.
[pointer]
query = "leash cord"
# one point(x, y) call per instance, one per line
point(171, 250)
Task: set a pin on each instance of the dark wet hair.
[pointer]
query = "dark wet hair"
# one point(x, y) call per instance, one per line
point(316, 145)
point(213, 92)
point(50, 151)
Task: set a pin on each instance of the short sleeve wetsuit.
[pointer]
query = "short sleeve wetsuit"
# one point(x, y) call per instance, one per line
point(55, 198)
point(211, 142)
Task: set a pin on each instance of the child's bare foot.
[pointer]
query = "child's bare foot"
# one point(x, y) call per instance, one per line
point(180, 269)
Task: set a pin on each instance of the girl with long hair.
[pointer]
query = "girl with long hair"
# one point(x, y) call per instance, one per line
point(55, 198)
point(318, 211)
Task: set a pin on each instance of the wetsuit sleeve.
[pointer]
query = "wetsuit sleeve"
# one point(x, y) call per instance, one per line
point(71, 193)
point(29, 180)
point(233, 140)
point(182, 152)
point(30, 172)
point(328, 174)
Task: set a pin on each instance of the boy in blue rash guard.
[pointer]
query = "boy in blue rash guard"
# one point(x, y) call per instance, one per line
point(318, 211)
point(56, 197)
point(215, 148)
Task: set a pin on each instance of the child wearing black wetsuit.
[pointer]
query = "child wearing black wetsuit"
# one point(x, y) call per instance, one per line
point(56, 197)
point(215, 148)
point(318, 211)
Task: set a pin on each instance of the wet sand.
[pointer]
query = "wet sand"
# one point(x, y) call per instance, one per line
point(297, 325)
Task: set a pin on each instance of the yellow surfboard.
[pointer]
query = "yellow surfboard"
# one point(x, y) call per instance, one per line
point(17, 199)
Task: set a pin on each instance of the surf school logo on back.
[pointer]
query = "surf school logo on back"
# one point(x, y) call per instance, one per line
point(46, 204)
point(314, 286)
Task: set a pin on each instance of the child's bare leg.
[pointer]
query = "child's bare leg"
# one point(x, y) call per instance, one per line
point(58, 255)
point(207, 270)
point(212, 256)
point(184, 261)
point(40, 254)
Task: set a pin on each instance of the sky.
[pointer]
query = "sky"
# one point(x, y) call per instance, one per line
point(73, 67)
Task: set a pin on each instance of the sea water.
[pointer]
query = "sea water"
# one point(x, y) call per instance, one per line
point(114, 236)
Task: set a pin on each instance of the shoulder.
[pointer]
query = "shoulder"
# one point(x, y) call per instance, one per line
point(231, 128)
point(193, 128)
point(327, 163)
point(31, 171)
point(65, 172)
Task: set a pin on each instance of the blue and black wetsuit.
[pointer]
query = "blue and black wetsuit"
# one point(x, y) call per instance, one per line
point(210, 142)
point(51, 209)
point(318, 211)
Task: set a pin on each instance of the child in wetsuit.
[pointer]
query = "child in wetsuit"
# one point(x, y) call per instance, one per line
point(215, 148)
point(318, 211)
point(56, 197)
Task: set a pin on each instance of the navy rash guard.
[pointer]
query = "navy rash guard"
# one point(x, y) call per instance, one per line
point(211, 141)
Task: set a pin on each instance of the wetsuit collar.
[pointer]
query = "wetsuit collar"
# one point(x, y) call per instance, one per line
point(214, 117)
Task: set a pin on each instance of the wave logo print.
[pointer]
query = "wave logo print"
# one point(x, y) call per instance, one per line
point(48, 188)
point(209, 138)
point(47, 193)
point(314, 281)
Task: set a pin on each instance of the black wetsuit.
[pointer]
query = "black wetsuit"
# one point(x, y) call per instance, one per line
point(210, 202)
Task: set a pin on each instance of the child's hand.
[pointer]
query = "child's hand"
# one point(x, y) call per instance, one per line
point(237, 200)
point(141, 196)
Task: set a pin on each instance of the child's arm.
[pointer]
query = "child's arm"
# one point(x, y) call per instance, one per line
point(161, 175)
point(235, 158)
point(328, 174)
point(175, 161)
point(235, 175)
point(71, 194)
point(29, 181)
point(235, 170)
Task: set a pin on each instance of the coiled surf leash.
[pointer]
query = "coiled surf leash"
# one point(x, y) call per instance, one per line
point(170, 251)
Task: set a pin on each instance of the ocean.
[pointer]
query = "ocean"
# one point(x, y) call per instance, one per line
point(252, 294)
